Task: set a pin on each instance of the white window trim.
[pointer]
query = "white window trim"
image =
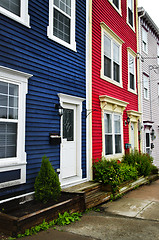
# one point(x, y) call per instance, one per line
point(134, 55)
point(147, 98)
point(72, 44)
point(19, 162)
point(24, 16)
point(118, 10)
point(143, 29)
point(132, 27)
point(116, 106)
point(106, 30)
point(147, 130)
point(116, 155)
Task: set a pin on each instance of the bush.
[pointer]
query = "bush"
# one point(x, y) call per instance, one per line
point(47, 185)
point(107, 172)
point(141, 161)
point(127, 172)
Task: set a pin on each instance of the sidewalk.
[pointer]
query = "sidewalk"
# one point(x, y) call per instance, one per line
point(134, 216)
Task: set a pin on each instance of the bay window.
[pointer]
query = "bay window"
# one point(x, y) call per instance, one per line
point(13, 90)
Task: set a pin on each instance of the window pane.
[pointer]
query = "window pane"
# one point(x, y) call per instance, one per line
point(118, 144)
point(108, 145)
point(13, 89)
point(116, 53)
point(3, 112)
point(68, 124)
point(116, 3)
point(9, 100)
point(130, 15)
point(108, 123)
point(132, 83)
point(64, 5)
point(107, 46)
point(131, 64)
point(116, 72)
point(8, 140)
point(3, 100)
point(3, 87)
point(117, 120)
point(11, 5)
point(107, 67)
point(147, 140)
point(61, 26)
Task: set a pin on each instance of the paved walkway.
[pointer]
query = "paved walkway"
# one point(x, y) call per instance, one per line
point(133, 217)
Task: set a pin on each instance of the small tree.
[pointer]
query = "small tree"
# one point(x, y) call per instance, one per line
point(47, 185)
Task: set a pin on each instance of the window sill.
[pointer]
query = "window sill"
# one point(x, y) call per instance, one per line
point(132, 91)
point(67, 45)
point(25, 21)
point(110, 80)
point(132, 28)
point(114, 156)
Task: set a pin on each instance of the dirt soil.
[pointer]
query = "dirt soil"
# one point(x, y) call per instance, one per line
point(32, 206)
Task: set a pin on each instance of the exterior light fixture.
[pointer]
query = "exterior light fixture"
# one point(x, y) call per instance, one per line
point(60, 108)
point(127, 121)
point(152, 134)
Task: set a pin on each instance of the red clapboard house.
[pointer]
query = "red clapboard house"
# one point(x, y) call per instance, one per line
point(115, 108)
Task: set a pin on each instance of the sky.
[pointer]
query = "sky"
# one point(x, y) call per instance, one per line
point(152, 8)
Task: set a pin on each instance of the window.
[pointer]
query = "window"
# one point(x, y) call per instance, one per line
point(116, 4)
point(131, 13)
point(62, 22)
point(13, 89)
point(113, 136)
point(148, 142)
point(144, 40)
point(131, 70)
point(146, 86)
point(111, 56)
point(111, 59)
point(16, 9)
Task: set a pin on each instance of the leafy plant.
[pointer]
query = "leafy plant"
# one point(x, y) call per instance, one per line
point(127, 172)
point(141, 161)
point(63, 219)
point(107, 172)
point(47, 185)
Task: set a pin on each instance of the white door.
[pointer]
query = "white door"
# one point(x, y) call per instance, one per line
point(132, 137)
point(69, 142)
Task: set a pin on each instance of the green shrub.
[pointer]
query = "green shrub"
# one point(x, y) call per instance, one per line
point(47, 185)
point(107, 172)
point(141, 161)
point(127, 172)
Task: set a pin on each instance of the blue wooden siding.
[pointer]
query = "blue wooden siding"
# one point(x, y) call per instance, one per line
point(55, 69)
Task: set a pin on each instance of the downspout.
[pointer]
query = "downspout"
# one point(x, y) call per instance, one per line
point(139, 69)
point(89, 88)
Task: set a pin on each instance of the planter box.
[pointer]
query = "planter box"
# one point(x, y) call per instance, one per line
point(12, 225)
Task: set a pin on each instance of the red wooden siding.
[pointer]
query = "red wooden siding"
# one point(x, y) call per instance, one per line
point(103, 11)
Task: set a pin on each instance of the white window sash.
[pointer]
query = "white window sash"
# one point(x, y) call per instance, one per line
point(50, 34)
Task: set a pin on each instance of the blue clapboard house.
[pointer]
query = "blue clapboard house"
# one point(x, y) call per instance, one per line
point(42, 92)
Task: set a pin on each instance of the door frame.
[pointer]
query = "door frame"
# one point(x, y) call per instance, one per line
point(68, 99)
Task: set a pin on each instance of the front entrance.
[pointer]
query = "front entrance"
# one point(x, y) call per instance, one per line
point(132, 137)
point(69, 160)
point(71, 133)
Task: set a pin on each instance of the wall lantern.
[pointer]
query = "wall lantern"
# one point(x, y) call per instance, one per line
point(152, 134)
point(60, 108)
point(127, 121)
